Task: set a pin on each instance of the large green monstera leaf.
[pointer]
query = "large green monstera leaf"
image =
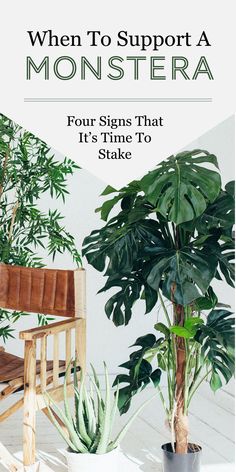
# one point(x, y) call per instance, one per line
point(121, 244)
point(180, 188)
point(219, 214)
point(182, 274)
point(217, 338)
point(121, 250)
point(140, 372)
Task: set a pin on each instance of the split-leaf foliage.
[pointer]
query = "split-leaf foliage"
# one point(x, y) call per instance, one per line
point(165, 239)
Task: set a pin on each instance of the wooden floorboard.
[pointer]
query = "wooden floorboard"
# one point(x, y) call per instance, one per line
point(211, 424)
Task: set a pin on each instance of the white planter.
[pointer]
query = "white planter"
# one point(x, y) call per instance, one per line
point(110, 462)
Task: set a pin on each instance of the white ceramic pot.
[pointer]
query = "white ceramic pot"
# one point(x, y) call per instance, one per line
point(112, 461)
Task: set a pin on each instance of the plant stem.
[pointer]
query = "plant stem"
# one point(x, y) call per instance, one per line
point(169, 380)
point(163, 400)
point(3, 174)
point(194, 388)
point(186, 376)
point(14, 211)
point(164, 309)
point(197, 368)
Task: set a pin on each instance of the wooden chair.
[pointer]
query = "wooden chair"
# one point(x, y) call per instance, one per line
point(45, 291)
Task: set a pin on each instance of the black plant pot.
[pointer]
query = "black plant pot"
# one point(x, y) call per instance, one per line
point(190, 462)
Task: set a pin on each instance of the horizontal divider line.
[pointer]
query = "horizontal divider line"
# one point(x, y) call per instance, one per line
point(120, 100)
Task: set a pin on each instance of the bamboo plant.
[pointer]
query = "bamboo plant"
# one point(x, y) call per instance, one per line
point(29, 169)
point(169, 239)
point(88, 429)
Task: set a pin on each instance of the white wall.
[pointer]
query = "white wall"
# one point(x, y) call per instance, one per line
point(104, 340)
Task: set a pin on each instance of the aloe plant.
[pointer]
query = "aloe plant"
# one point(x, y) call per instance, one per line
point(89, 427)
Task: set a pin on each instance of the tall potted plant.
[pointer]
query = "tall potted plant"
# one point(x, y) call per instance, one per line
point(29, 169)
point(170, 238)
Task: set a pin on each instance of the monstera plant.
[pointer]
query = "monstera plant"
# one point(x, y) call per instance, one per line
point(168, 238)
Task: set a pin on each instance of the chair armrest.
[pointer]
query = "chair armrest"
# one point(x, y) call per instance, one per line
point(52, 328)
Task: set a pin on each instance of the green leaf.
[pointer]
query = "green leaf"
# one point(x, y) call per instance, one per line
point(81, 414)
point(124, 430)
point(119, 306)
point(217, 338)
point(146, 341)
point(215, 382)
point(189, 329)
point(150, 296)
point(230, 188)
point(219, 214)
point(140, 371)
point(208, 302)
point(179, 188)
point(74, 438)
point(105, 423)
point(107, 207)
point(181, 332)
point(156, 377)
point(108, 190)
point(163, 329)
point(185, 273)
point(192, 323)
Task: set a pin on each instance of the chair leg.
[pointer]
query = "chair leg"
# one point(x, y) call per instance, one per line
point(80, 344)
point(29, 404)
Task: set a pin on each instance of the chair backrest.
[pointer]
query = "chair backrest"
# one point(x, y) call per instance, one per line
point(45, 291)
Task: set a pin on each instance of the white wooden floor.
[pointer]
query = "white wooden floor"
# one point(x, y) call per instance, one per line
point(211, 423)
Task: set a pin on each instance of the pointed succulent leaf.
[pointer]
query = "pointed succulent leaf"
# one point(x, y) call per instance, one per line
point(114, 408)
point(82, 414)
point(74, 438)
point(105, 425)
point(66, 403)
point(125, 429)
point(61, 432)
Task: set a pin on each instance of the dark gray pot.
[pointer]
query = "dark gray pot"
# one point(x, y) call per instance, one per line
point(190, 462)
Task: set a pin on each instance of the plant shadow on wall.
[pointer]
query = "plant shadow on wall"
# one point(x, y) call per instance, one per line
point(170, 238)
point(29, 169)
